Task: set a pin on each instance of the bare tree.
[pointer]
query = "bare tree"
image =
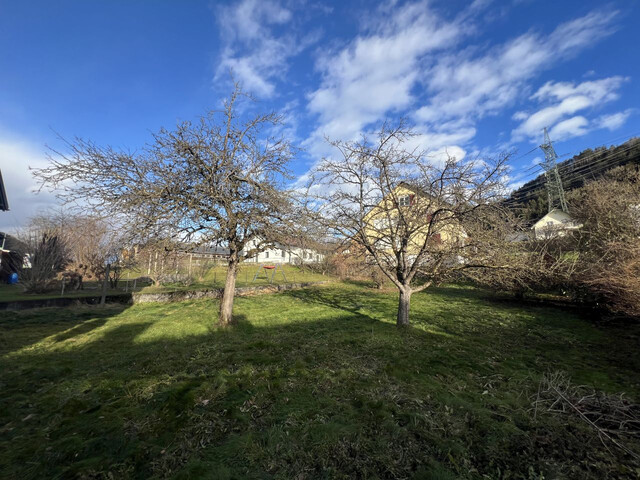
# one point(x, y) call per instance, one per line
point(218, 180)
point(91, 241)
point(419, 219)
point(607, 247)
point(45, 256)
point(303, 238)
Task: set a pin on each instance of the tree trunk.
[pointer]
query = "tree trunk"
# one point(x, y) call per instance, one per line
point(403, 307)
point(226, 304)
point(105, 283)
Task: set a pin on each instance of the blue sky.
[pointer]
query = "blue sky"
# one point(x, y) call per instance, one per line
point(472, 77)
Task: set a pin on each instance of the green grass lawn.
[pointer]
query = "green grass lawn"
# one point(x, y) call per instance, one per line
point(213, 278)
point(313, 383)
point(10, 293)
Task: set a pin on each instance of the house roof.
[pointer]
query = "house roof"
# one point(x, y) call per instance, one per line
point(11, 243)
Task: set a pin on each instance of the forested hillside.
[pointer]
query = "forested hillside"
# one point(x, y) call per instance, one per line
point(531, 199)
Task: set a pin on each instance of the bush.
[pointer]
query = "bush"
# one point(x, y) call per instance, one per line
point(598, 264)
point(608, 244)
point(47, 256)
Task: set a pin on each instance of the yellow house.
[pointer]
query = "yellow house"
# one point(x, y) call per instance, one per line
point(408, 212)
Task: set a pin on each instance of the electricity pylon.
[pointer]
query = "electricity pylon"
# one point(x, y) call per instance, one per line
point(555, 192)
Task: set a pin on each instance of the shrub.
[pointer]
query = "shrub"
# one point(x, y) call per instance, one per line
point(47, 256)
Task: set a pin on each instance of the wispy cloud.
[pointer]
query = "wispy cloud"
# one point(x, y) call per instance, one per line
point(613, 121)
point(469, 85)
point(259, 40)
point(375, 73)
point(565, 99)
point(414, 65)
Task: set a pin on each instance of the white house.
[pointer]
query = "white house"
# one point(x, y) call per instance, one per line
point(556, 223)
point(281, 253)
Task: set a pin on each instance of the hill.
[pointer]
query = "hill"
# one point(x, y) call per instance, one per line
point(531, 198)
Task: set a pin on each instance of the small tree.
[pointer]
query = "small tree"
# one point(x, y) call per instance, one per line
point(46, 256)
point(419, 219)
point(90, 240)
point(218, 180)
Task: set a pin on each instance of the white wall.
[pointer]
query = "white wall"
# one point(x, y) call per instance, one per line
point(556, 223)
point(292, 255)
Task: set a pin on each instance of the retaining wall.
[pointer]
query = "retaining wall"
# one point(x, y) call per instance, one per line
point(161, 297)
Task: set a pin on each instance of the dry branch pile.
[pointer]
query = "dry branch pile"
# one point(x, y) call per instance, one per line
point(615, 418)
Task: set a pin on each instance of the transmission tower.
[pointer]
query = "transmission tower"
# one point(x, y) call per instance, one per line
point(555, 192)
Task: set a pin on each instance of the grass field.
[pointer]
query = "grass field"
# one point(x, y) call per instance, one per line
point(213, 278)
point(313, 383)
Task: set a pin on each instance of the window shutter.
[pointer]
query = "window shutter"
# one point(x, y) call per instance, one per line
point(411, 199)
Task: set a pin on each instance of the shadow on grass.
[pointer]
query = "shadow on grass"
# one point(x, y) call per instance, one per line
point(348, 300)
point(155, 393)
point(28, 327)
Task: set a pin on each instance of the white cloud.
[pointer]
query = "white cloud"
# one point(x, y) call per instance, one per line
point(614, 120)
point(412, 57)
point(462, 85)
point(567, 99)
point(600, 90)
point(374, 74)
point(16, 156)
point(569, 128)
point(255, 49)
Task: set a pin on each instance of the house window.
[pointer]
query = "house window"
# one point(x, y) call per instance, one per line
point(266, 254)
point(283, 254)
point(404, 200)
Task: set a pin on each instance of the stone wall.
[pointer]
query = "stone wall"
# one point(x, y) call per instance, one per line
point(162, 297)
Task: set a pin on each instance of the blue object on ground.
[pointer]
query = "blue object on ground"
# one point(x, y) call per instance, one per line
point(13, 279)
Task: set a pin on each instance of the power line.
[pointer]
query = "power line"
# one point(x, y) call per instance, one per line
point(628, 136)
point(555, 192)
point(533, 191)
point(598, 167)
point(569, 165)
point(581, 169)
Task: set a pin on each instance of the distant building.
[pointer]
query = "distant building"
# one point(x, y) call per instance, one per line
point(207, 252)
point(292, 252)
point(556, 223)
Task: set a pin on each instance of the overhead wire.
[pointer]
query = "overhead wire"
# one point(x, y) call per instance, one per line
point(574, 153)
point(588, 171)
